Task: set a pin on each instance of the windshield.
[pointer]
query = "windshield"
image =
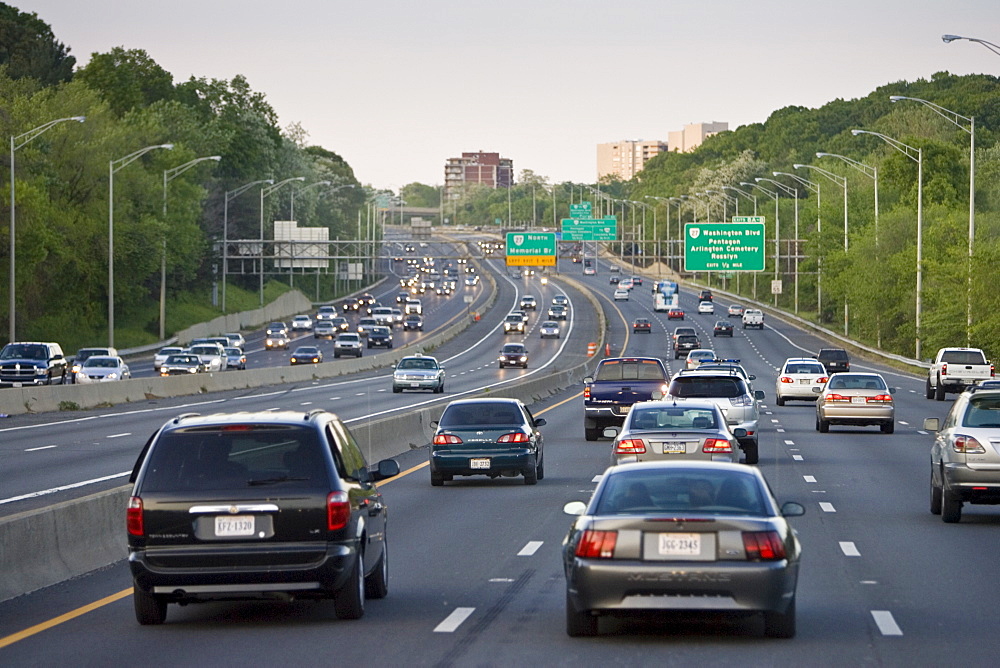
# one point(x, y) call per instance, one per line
point(674, 417)
point(416, 364)
point(805, 368)
point(630, 370)
point(983, 411)
point(963, 357)
point(859, 382)
point(481, 414)
point(101, 362)
point(695, 386)
point(182, 359)
point(13, 351)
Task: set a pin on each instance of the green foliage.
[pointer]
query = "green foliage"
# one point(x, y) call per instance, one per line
point(30, 50)
point(127, 79)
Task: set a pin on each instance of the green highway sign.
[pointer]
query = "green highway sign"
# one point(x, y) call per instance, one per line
point(590, 229)
point(531, 248)
point(748, 219)
point(581, 210)
point(724, 246)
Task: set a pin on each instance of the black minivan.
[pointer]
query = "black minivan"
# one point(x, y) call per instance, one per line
point(834, 359)
point(256, 506)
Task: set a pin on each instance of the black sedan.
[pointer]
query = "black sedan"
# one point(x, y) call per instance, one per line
point(306, 355)
point(722, 328)
point(695, 537)
point(513, 354)
point(380, 337)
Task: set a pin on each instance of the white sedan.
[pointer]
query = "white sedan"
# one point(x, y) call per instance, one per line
point(302, 322)
point(706, 307)
point(621, 294)
point(797, 378)
point(102, 369)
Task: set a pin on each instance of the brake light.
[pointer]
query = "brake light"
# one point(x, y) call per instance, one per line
point(991, 371)
point(716, 445)
point(837, 397)
point(447, 439)
point(967, 445)
point(597, 544)
point(338, 510)
point(586, 392)
point(881, 399)
point(944, 369)
point(763, 545)
point(514, 437)
point(630, 446)
point(823, 379)
point(133, 517)
point(786, 379)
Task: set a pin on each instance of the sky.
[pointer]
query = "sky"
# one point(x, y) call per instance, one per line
point(397, 87)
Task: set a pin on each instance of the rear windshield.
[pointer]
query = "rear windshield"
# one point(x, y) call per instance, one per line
point(673, 417)
point(856, 383)
point(963, 357)
point(805, 367)
point(702, 491)
point(473, 415)
point(207, 459)
point(833, 354)
point(695, 386)
point(687, 338)
point(630, 370)
point(983, 411)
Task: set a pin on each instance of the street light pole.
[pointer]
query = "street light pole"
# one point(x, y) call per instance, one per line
point(114, 166)
point(168, 176)
point(955, 119)
point(264, 192)
point(17, 142)
point(917, 155)
point(293, 192)
point(230, 195)
point(947, 39)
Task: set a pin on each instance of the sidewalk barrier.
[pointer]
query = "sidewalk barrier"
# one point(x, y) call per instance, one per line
point(591, 349)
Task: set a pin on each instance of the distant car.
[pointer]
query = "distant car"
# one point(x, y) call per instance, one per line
point(236, 340)
point(491, 437)
point(235, 359)
point(213, 356)
point(560, 300)
point(625, 284)
point(276, 336)
point(557, 312)
point(182, 364)
point(675, 314)
point(472, 280)
point(366, 325)
point(836, 360)
point(83, 354)
point(655, 536)
point(101, 369)
point(348, 343)
point(549, 329)
point(513, 354)
point(613, 279)
point(684, 344)
point(301, 322)
point(621, 294)
point(413, 306)
point(397, 317)
point(326, 313)
point(383, 315)
point(590, 271)
point(528, 302)
point(401, 297)
point(324, 329)
point(855, 399)
point(306, 355)
point(734, 311)
point(636, 281)
point(513, 324)
point(418, 372)
point(160, 357)
point(705, 296)
point(380, 337)
point(642, 326)
point(798, 378)
point(414, 322)
point(662, 430)
point(706, 307)
point(341, 324)
point(698, 355)
point(722, 328)
point(683, 330)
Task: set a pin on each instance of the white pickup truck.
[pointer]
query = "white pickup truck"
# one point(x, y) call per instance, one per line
point(753, 317)
point(955, 369)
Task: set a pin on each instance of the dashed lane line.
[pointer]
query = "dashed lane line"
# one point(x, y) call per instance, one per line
point(886, 624)
point(454, 620)
point(849, 549)
point(530, 549)
point(827, 507)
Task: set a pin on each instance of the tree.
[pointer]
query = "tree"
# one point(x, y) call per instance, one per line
point(127, 79)
point(30, 50)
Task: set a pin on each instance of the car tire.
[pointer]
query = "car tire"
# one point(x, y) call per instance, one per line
point(540, 469)
point(437, 479)
point(531, 473)
point(778, 624)
point(928, 389)
point(336, 356)
point(591, 433)
point(888, 427)
point(377, 584)
point(951, 508)
point(780, 400)
point(822, 426)
point(349, 602)
point(939, 391)
point(579, 624)
point(751, 453)
point(936, 494)
point(396, 390)
point(149, 608)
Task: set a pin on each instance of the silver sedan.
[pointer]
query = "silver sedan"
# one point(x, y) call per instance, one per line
point(663, 430)
point(855, 399)
point(103, 369)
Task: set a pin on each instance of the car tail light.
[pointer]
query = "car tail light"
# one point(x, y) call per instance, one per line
point(447, 439)
point(630, 446)
point(763, 545)
point(823, 379)
point(717, 445)
point(133, 517)
point(745, 400)
point(836, 397)
point(514, 437)
point(881, 399)
point(586, 392)
point(967, 445)
point(991, 371)
point(786, 379)
point(597, 544)
point(944, 369)
point(338, 511)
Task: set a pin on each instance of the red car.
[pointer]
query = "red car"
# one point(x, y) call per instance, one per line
point(675, 314)
point(642, 325)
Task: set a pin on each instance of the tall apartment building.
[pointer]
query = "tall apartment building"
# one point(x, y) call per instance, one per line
point(624, 159)
point(693, 134)
point(488, 169)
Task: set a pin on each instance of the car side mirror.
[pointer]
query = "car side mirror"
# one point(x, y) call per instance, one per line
point(932, 424)
point(892, 390)
point(792, 509)
point(588, 379)
point(540, 422)
point(387, 468)
point(739, 432)
point(752, 377)
point(610, 432)
point(758, 395)
point(434, 424)
point(817, 390)
point(576, 508)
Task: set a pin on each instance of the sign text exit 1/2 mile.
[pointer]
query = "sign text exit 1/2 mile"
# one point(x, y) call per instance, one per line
point(724, 246)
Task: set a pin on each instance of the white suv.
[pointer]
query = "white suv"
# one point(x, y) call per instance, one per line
point(797, 378)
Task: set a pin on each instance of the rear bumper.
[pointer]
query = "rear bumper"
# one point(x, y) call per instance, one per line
point(856, 414)
point(509, 462)
point(971, 485)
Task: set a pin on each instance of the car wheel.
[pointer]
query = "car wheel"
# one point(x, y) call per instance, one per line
point(780, 625)
point(377, 584)
point(951, 508)
point(780, 400)
point(935, 497)
point(888, 427)
point(928, 390)
point(349, 602)
point(579, 624)
point(499, 365)
point(336, 355)
point(823, 426)
point(149, 609)
point(591, 434)
point(397, 390)
point(440, 389)
point(437, 479)
point(540, 469)
point(531, 473)
point(939, 391)
point(751, 453)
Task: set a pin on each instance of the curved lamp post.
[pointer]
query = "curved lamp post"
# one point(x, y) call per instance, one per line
point(294, 192)
point(264, 192)
point(842, 182)
point(114, 166)
point(752, 198)
point(947, 39)
point(916, 155)
point(231, 195)
point(17, 142)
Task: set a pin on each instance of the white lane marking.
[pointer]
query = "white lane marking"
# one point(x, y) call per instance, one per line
point(333, 399)
point(306, 403)
point(530, 549)
point(596, 478)
point(787, 442)
point(382, 390)
point(43, 492)
point(769, 413)
point(128, 433)
point(797, 458)
point(901, 422)
point(809, 478)
point(869, 582)
point(886, 624)
point(454, 620)
point(827, 507)
point(794, 449)
point(360, 394)
point(849, 549)
point(43, 447)
point(780, 430)
point(775, 421)
point(503, 580)
point(922, 432)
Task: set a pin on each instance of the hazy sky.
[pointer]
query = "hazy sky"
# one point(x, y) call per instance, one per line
point(397, 87)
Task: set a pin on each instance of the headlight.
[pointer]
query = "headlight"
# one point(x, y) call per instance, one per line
point(112, 376)
point(40, 371)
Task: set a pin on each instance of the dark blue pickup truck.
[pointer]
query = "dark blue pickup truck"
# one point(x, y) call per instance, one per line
point(618, 383)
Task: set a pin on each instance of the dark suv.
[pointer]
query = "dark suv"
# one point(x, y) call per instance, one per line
point(834, 359)
point(684, 344)
point(705, 296)
point(32, 364)
point(270, 505)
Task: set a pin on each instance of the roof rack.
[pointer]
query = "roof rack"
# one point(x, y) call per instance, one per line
point(184, 416)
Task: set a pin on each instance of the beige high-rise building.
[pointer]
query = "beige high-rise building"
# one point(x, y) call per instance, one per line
point(624, 159)
point(693, 134)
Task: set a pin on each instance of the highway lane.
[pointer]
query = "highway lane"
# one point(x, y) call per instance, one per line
point(476, 577)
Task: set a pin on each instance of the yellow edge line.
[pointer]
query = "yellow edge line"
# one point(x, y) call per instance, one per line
point(73, 614)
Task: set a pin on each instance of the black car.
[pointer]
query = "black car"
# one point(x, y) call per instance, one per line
point(513, 354)
point(249, 506)
point(834, 359)
point(705, 296)
point(722, 328)
point(414, 322)
point(380, 337)
point(684, 344)
point(492, 437)
point(306, 355)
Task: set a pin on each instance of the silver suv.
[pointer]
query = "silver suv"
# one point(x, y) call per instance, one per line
point(731, 393)
point(965, 464)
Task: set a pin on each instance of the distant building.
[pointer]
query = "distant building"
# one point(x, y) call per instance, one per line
point(624, 159)
point(693, 134)
point(487, 169)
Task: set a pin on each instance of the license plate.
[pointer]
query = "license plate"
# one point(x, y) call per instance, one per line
point(859, 400)
point(804, 381)
point(234, 525)
point(414, 384)
point(680, 544)
point(674, 447)
point(479, 463)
